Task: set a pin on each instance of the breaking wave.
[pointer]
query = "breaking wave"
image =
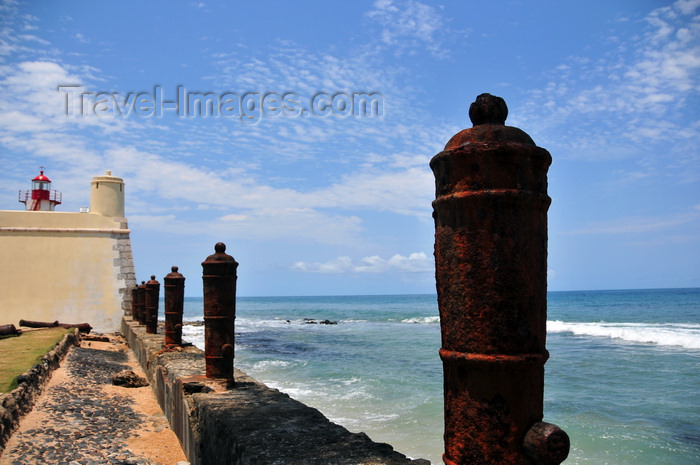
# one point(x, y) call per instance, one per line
point(425, 320)
point(686, 335)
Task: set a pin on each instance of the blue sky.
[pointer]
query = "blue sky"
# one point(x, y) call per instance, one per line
point(337, 203)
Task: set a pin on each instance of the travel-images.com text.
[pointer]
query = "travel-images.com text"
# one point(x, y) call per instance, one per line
point(249, 107)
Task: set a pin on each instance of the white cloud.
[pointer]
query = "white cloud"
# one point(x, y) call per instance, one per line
point(417, 262)
point(33, 38)
point(31, 88)
point(641, 225)
point(409, 24)
point(258, 211)
point(232, 190)
point(638, 98)
point(34, 121)
point(81, 38)
point(687, 7)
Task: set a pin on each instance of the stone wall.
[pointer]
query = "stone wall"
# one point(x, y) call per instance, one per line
point(248, 424)
point(18, 402)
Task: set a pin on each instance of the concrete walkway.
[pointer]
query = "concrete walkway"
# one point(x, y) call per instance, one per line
point(81, 418)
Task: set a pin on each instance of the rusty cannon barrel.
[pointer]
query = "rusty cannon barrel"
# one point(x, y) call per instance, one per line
point(38, 324)
point(134, 308)
point(9, 330)
point(174, 294)
point(141, 302)
point(219, 280)
point(490, 217)
point(152, 294)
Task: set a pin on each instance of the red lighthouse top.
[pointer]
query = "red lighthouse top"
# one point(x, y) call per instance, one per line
point(40, 198)
point(41, 177)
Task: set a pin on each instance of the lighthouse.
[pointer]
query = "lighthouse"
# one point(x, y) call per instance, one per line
point(40, 198)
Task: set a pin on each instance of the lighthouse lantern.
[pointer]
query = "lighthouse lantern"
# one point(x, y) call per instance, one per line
point(40, 198)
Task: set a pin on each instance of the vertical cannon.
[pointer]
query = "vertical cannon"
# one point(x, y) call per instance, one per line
point(219, 280)
point(141, 302)
point(152, 294)
point(174, 294)
point(134, 305)
point(490, 217)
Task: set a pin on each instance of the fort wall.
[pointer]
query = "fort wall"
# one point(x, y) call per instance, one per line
point(70, 267)
point(248, 423)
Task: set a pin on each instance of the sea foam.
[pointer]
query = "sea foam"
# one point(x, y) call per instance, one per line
point(686, 335)
point(426, 320)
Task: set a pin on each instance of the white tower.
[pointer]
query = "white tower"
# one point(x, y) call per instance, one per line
point(40, 198)
point(107, 195)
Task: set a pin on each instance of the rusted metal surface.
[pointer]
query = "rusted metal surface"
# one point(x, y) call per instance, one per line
point(38, 324)
point(546, 444)
point(219, 279)
point(490, 217)
point(174, 294)
point(151, 297)
point(141, 302)
point(82, 327)
point(134, 309)
point(8, 330)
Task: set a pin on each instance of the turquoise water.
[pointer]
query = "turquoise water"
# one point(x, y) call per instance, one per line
point(622, 380)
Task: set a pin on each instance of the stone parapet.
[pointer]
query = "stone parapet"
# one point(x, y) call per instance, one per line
point(248, 424)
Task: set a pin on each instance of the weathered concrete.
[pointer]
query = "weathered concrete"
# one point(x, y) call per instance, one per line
point(250, 424)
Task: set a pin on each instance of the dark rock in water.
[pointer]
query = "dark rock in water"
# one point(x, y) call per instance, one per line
point(311, 321)
point(129, 379)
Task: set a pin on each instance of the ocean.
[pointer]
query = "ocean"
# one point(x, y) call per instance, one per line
point(623, 378)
